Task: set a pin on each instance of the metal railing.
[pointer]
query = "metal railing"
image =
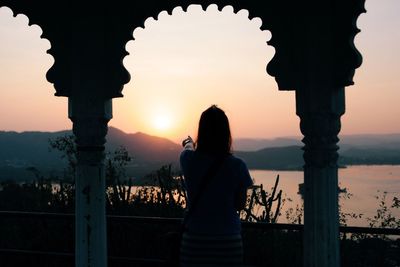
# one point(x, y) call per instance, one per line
point(259, 225)
point(111, 219)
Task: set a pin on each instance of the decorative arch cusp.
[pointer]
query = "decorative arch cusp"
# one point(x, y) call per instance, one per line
point(32, 20)
point(295, 28)
point(313, 40)
point(154, 11)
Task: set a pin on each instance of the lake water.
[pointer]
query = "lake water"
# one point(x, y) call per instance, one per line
point(363, 182)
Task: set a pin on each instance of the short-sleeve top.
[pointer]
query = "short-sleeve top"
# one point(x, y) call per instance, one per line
point(215, 213)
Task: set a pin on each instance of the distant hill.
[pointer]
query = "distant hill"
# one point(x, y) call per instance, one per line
point(31, 149)
point(26, 149)
point(286, 153)
point(370, 141)
point(144, 147)
point(149, 152)
point(291, 157)
point(277, 158)
point(377, 141)
point(250, 144)
point(369, 156)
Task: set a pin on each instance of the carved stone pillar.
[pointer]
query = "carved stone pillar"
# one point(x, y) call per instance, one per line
point(320, 113)
point(90, 118)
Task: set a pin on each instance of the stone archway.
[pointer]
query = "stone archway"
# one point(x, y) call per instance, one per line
point(315, 56)
point(210, 45)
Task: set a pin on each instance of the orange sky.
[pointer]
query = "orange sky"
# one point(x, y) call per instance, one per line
point(183, 63)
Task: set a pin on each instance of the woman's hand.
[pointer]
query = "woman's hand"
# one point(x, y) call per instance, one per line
point(188, 143)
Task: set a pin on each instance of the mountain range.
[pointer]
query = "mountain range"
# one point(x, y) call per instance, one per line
point(26, 149)
point(32, 149)
point(367, 141)
point(361, 149)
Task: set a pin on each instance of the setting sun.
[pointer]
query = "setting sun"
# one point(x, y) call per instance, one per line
point(162, 122)
point(184, 62)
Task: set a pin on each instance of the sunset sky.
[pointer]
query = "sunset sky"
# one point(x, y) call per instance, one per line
point(181, 64)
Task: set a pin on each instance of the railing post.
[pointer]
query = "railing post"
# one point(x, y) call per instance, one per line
point(320, 112)
point(90, 118)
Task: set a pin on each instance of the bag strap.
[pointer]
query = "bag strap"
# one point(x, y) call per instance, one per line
point(212, 170)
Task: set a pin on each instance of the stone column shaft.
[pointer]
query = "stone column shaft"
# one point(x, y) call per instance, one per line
point(90, 118)
point(320, 113)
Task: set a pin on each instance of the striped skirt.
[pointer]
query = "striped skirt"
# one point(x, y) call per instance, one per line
point(200, 250)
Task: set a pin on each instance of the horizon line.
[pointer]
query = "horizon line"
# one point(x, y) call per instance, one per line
point(245, 137)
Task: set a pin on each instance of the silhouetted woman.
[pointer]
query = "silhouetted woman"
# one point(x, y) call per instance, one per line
point(213, 230)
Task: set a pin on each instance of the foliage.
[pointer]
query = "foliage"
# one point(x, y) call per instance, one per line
point(66, 144)
point(344, 195)
point(166, 197)
point(33, 196)
point(118, 186)
point(384, 217)
point(295, 215)
point(260, 204)
point(39, 195)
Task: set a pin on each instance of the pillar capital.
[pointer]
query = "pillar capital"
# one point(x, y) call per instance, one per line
point(320, 113)
point(90, 117)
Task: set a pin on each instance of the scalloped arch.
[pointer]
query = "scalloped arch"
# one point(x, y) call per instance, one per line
point(43, 36)
point(156, 12)
point(294, 65)
point(204, 7)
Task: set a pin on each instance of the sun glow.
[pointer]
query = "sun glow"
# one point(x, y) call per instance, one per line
point(162, 122)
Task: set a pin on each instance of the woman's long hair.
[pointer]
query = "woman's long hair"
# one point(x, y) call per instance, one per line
point(214, 134)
